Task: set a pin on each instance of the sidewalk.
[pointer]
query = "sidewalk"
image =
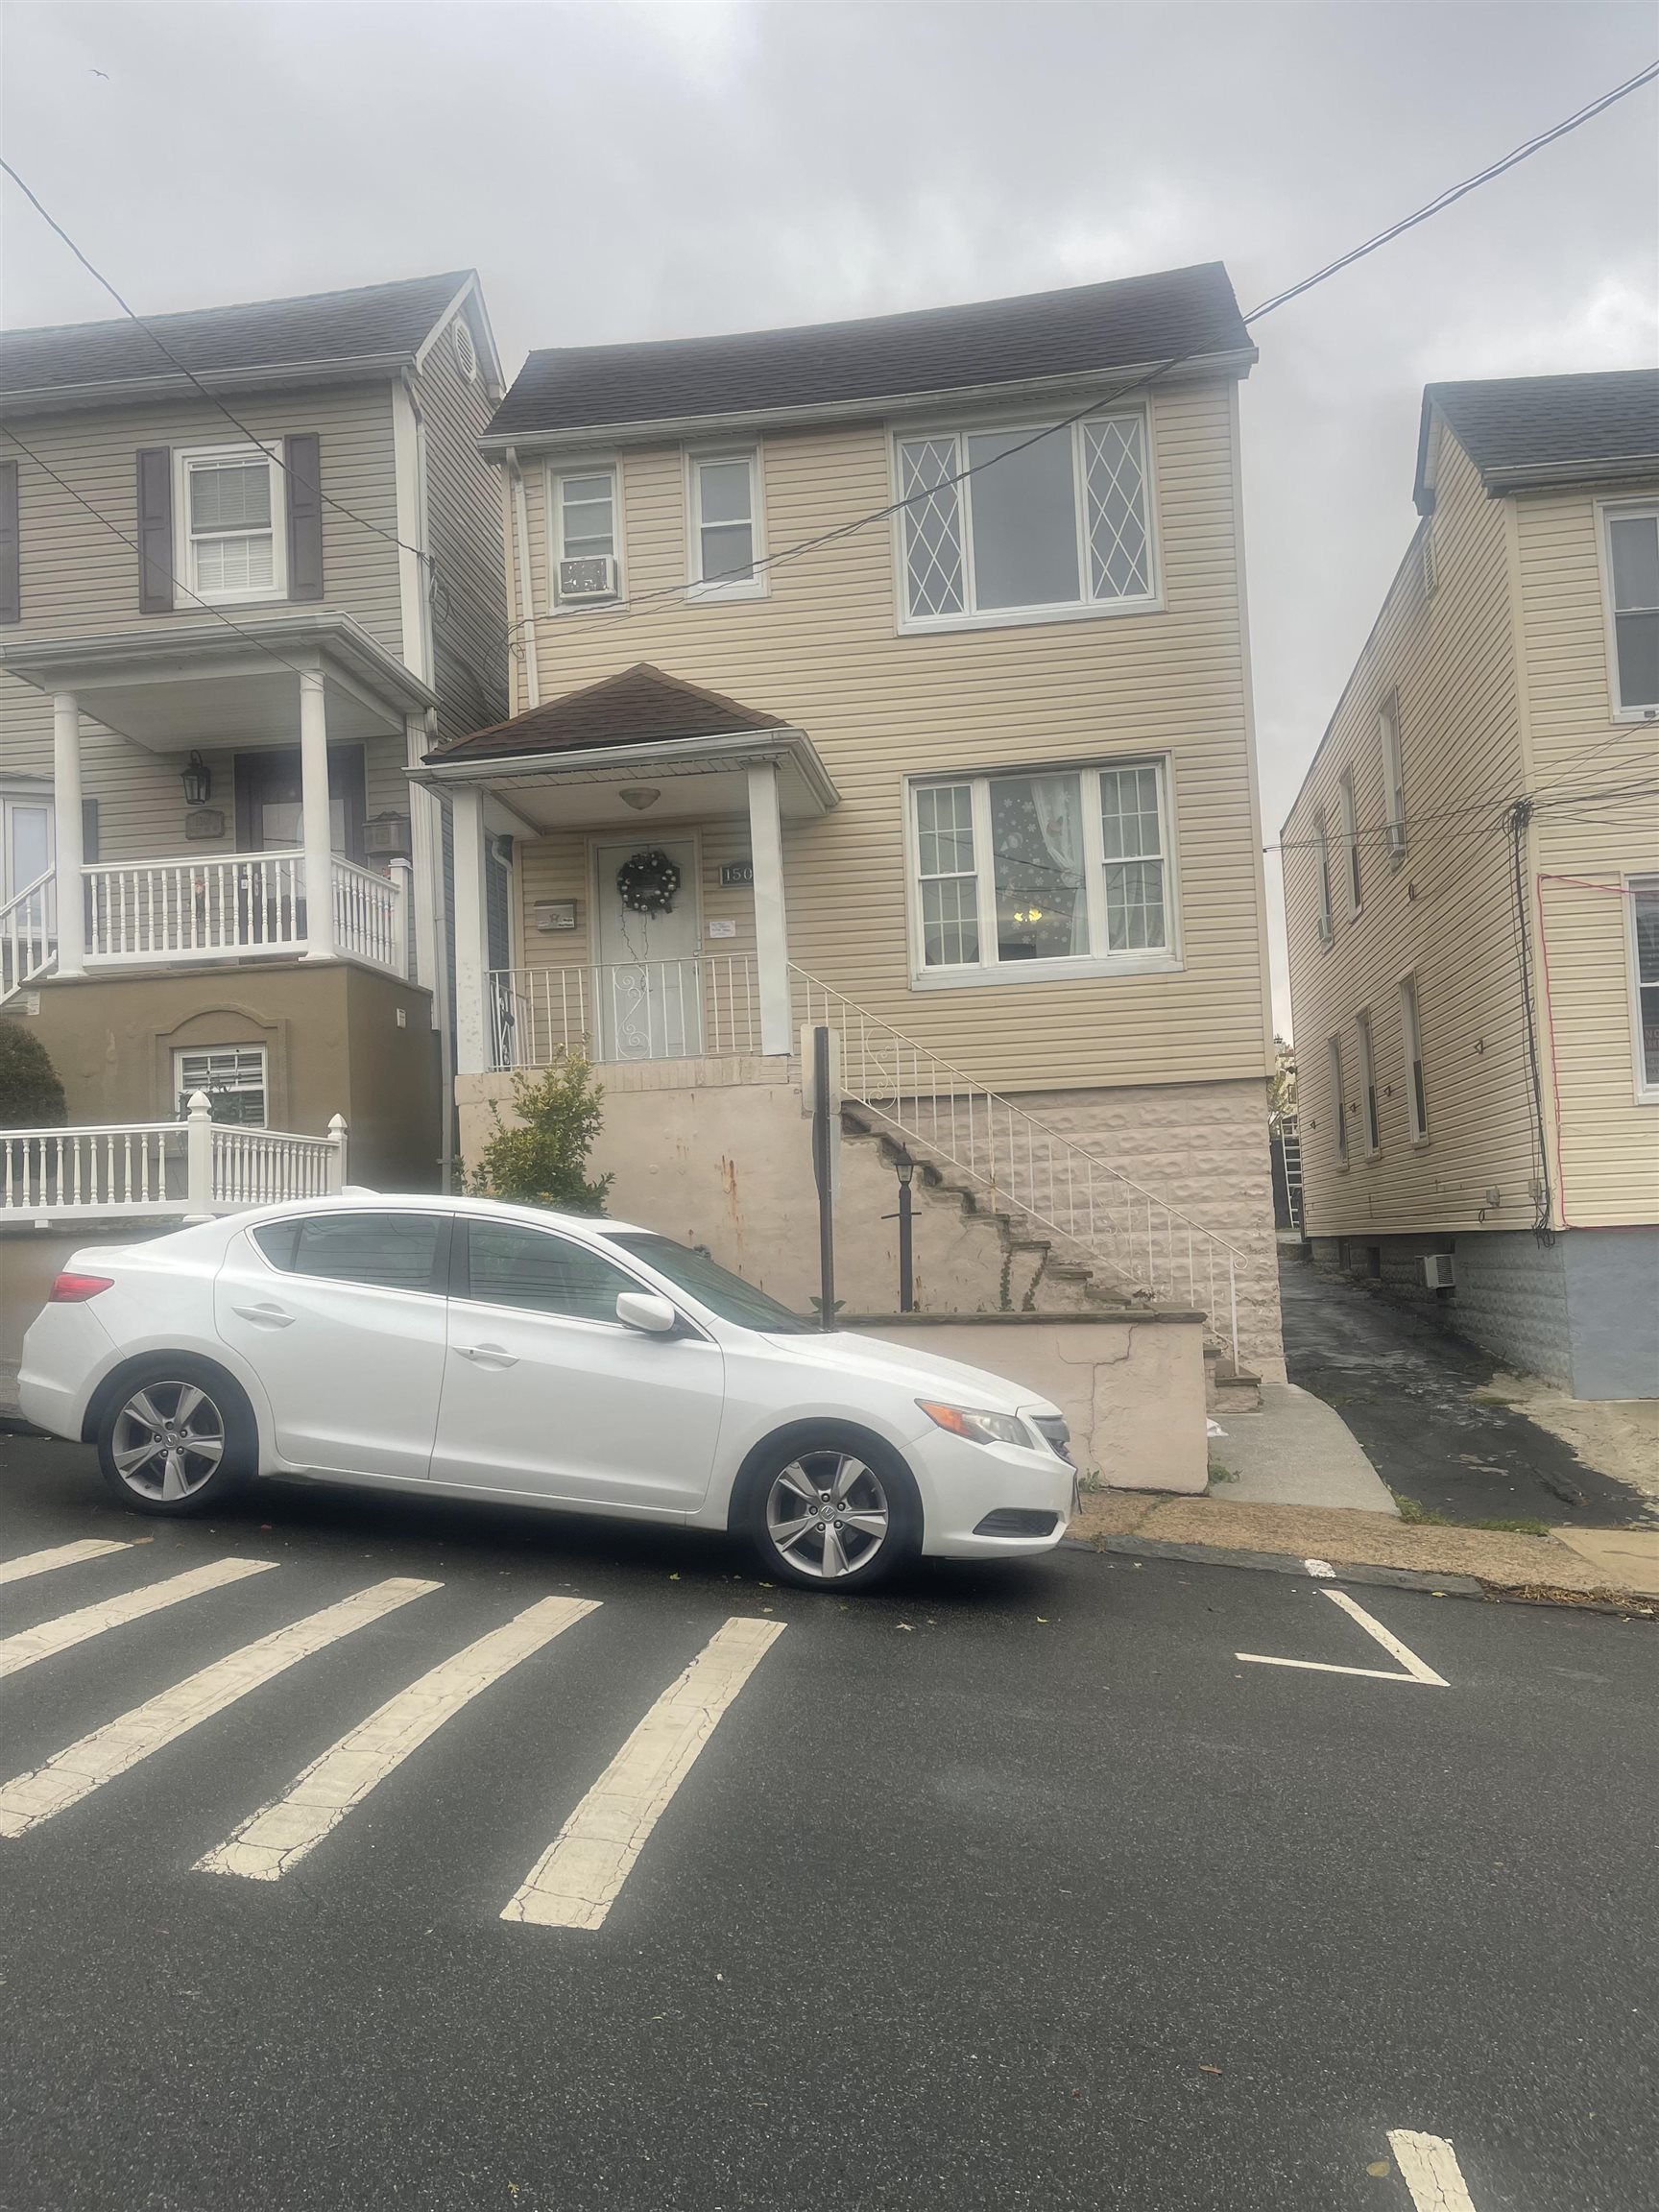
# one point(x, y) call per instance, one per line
point(1296, 1451)
point(1613, 1567)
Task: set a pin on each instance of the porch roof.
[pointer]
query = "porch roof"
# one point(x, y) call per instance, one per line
point(640, 722)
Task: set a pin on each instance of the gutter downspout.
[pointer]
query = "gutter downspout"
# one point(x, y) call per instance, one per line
point(527, 591)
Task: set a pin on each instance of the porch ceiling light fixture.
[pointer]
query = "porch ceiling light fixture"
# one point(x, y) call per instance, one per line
point(198, 781)
point(640, 796)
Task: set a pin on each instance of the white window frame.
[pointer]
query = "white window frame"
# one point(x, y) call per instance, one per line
point(1370, 1118)
point(1072, 967)
point(1085, 608)
point(1393, 775)
point(1648, 885)
point(1607, 513)
point(589, 465)
point(186, 458)
point(1322, 880)
point(1353, 876)
point(1411, 1040)
point(184, 1053)
point(697, 459)
point(1334, 1076)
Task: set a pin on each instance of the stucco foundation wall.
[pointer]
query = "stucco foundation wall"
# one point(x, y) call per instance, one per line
point(333, 1045)
point(1131, 1388)
point(1201, 1147)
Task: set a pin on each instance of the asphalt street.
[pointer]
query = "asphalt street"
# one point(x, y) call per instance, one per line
point(1002, 1889)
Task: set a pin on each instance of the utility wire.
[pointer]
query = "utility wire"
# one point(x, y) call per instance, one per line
point(391, 536)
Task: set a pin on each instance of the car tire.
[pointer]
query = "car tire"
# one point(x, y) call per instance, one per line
point(176, 1437)
point(832, 1509)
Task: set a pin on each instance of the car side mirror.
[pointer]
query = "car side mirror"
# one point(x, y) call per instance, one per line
point(644, 1310)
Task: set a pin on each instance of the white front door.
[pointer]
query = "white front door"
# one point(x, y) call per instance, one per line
point(25, 842)
point(647, 986)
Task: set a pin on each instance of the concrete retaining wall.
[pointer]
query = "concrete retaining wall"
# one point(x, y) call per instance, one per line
point(1131, 1386)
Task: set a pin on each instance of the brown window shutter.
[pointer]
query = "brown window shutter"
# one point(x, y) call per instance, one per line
point(10, 548)
point(155, 529)
point(303, 476)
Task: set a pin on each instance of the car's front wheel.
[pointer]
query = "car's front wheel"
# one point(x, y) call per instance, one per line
point(833, 1511)
point(176, 1437)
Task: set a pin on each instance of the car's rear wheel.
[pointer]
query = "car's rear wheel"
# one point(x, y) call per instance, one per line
point(175, 1437)
point(833, 1511)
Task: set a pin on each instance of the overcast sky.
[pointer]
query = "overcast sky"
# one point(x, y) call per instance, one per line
point(622, 172)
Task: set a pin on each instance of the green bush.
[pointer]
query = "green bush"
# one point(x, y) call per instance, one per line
point(31, 1095)
point(546, 1162)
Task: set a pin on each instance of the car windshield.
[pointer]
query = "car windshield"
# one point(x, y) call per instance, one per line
point(713, 1286)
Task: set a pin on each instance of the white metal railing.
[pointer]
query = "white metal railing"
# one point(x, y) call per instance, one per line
point(163, 1170)
point(217, 906)
point(370, 914)
point(28, 937)
point(700, 1008)
point(1028, 1166)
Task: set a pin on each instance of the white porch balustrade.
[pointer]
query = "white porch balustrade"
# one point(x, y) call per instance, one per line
point(699, 1008)
point(161, 1170)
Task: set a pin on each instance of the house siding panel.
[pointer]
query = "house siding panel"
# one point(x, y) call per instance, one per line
point(463, 507)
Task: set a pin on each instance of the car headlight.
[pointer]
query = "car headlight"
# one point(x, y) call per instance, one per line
point(979, 1428)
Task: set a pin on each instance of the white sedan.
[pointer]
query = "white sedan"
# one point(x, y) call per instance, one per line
point(477, 1350)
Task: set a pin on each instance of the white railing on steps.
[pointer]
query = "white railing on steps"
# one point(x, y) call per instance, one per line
point(28, 937)
point(1027, 1166)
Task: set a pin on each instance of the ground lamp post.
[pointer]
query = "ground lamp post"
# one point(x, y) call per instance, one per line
point(904, 1167)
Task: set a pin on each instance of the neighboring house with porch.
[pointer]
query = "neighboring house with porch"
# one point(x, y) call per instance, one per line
point(967, 778)
point(222, 644)
point(1472, 890)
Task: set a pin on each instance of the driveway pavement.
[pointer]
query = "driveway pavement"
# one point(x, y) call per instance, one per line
point(1007, 1891)
point(1407, 1390)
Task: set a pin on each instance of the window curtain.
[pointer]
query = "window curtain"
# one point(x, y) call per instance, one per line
point(1059, 803)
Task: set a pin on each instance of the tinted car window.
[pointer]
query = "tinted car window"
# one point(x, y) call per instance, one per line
point(512, 1267)
point(716, 1287)
point(391, 1251)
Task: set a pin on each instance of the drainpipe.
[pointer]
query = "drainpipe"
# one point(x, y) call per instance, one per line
point(526, 588)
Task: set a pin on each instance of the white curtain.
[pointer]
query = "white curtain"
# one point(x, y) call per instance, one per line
point(1059, 803)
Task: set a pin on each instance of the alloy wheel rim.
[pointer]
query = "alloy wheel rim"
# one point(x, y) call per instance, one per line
point(827, 1514)
point(168, 1439)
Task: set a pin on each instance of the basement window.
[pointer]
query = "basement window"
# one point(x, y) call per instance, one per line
point(233, 1077)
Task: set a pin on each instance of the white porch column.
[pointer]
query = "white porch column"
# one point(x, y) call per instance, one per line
point(427, 855)
point(71, 900)
point(771, 938)
point(314, 809)
point(472, 934)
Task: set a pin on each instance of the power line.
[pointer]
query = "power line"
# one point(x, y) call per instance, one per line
point(1435, 206)
point(339, 505)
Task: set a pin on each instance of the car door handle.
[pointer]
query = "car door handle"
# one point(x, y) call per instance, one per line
point(487, 1355)
point(267, 1316)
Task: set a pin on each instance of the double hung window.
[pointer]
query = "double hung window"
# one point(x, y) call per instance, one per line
point(1322, 855)
point(1645, 982)
point(1338, 1099)
point(231, 524)
point(1033, 875)
point(726, 527)
point(584, 531)
point(1633, 575)
point(999, 525)
point(1411, 1029)
point(1350, 843)
point(1368, 1084)
point(1393, 779)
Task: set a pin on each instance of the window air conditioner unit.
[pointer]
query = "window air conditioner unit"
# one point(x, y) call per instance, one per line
point(1439, 1271)
point(592, 577)
point(386, 837)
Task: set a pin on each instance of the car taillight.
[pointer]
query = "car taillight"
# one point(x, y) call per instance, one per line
point(75, 1290)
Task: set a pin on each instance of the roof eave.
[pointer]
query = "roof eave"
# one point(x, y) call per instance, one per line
point(441, 770)
point(135, 391)
point(1547, 475)
point(36, 659)
point(1237, 362)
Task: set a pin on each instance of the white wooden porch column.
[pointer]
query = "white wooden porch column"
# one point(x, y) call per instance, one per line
point(71, 902)
point(771, 938)
point(472, 934)
point(316, 817)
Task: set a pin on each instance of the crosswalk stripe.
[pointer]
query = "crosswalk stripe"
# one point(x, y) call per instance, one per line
point(1428, 2168)
point(81, 1767)
point(576, 1880)
point(61, 1555)
point(270, 1841)
point(47, 1638)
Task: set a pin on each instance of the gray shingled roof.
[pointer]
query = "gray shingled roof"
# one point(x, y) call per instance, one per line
point(1134, 321)
point(377, 321)
point(1522, 430)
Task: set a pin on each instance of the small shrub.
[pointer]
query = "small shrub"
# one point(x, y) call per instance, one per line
point(31, 1095)
point(545, 1163)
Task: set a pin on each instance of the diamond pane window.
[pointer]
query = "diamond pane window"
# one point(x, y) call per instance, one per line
point(932, 526)
point(1115, 476)
point(1132, 838)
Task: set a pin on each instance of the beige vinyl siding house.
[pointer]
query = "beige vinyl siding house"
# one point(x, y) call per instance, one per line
point(1534, 1160)
point(1150, 1056)
point(189, 589)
